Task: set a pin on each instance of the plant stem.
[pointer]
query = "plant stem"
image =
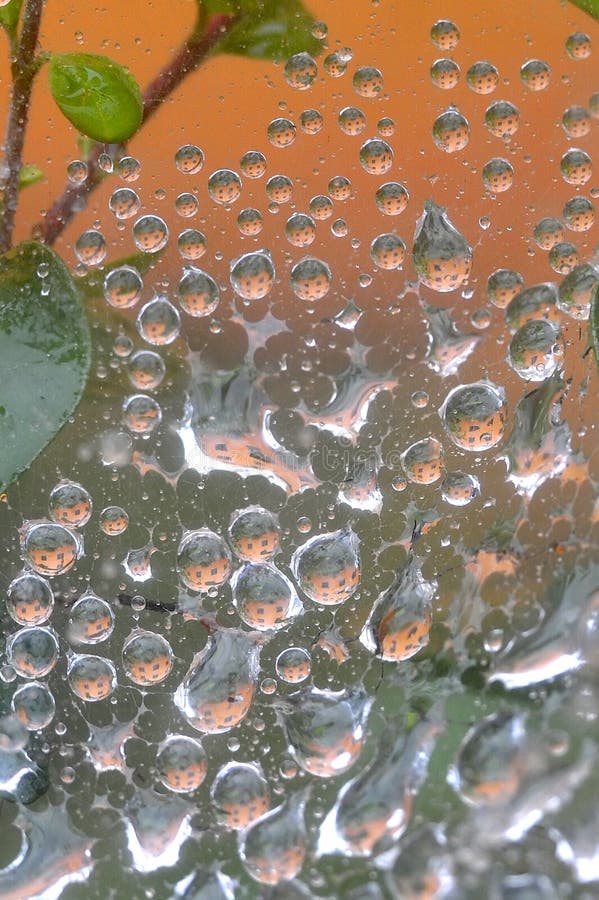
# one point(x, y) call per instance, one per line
point(24, 69)
point(192, 53)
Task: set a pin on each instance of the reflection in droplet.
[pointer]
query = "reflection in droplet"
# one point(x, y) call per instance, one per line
point(274, 847)
point(124, 203)
point(535, 350)
point(475, 416)
point(29, 600)
point(203, 560)
point(264, 597)
point(311, 278)
point(451, 131)
point(50, 549)
point(147, 657)
point(445, 74)
point(535, 74)
point(123, 287)
point(327, 567)
point(482, 77)
point(90, 248)
point(445, 34)
point(293, 665)
point(388, 251)
point(300, 230)
point(158, 322)
point(91, 620)
point(150, 234)
point(198, 293)
point(142, 414)
point(32, 652)
point(70, 504)
point(91, 678)
point(253, 275)
point(113, 520)
point(442, 256)
point(240, 795)
point(146, 370)
point(34, 705)
point(182, 764)
point(189, 159)
point(460, 488)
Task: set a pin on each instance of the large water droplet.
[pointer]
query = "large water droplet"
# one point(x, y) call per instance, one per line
point(274, 847)
point(475, 416)
point(442, 256)
point(327, 567)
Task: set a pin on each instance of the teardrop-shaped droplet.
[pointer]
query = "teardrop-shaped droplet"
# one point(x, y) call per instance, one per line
point(273, 849)
point(327, 567)
point(442, 256)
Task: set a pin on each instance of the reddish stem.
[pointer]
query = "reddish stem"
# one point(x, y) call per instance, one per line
point(192, 53)
point(24, 69)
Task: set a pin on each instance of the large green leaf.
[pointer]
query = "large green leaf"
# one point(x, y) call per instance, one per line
point(97, 95)
point(265, 29)
point(44, 353)
point(589, 6)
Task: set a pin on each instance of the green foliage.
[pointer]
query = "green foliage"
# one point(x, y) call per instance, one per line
point(265, 29)
point(590, 6)
point(97, 95)
point(9, 15)
point(44, 353)
point(29, 175)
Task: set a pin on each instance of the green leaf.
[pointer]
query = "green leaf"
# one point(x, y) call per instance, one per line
point(589, 6)
point(97, 95)
point(266, 29)
point(44, 353)
point(29, 175)
point(9, 15)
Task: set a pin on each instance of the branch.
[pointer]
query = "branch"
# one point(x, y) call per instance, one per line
point(193, 52)
point(24, 69)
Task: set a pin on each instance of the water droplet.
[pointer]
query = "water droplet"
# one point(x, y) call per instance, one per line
point(498, 175)
point(253, 275)
point(475, 416)
point(451, 131)
point(147, 658)
point(548, 232)
point(129, 168)
point(34, 705)
point(113, 520)
point(142, 414)
point(158, 322)
point(563, 257)
point(442, 256)
point(249, 221)
point(391, 198)
point(122, 346)
point(579, 214)
point(376, 156)
point(576, 291)
point(576, 121)
point(279, 189)
point(340, 228)
point(281, 132)
point(70, 504)
point(186, 205)
point(488, 761)
point(293, 665)
point(182, 764)
point(90, 248)
point(124, 203)
point(198, 293)
point(300, 71)
point(502, 119)
point(351, 120)
point(150, 234)
point(203, 560)
point(91, 678)
point(105, 163)
point(460, 488)
point(578, 45)
point(218, 690)
point(300, 230)
point(386, 126)
point(91, 620)
point(321, 207)
point(29, 600)
point(240, 795)
point(535, 350)
point(265, 599)
point(311, 278)
point(311, 121)
point(445, 74)
point(576, 166)
point(482, 77)
point(368, 81)
point(535, 302)
point(445, 34)
point(189, 159)
point(335, 64)
point(398, 626)
point(254, 534)
point(77, 171)
point(535, 75)
point(274, 847)
point(191, 244)
point(340, 188)
point(146, 370)
point(423, 461)
point(388, 251)
point(123, 287)
point(253, 164)
point(327, 567)
point(32, 652)
point(50, 549)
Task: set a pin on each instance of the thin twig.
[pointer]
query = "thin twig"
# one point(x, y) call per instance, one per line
point(192, 53)
point(24, 69)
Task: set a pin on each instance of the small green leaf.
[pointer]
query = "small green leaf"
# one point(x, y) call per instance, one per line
point(44, 353)
point(9, 15)
point(29, 175)
point(265, 29)
point(590, 6)
point(97, 95)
